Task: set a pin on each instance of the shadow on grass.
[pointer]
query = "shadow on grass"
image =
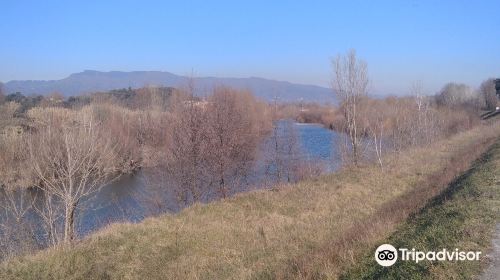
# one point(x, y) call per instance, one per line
point(461, 216)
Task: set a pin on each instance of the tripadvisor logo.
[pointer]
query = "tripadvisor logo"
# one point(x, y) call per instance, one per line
point(387, 255)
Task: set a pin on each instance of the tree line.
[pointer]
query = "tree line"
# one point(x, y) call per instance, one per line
point(374, 126)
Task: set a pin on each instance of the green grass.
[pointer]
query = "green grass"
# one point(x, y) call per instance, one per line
point(463, 217)
point(296, 231)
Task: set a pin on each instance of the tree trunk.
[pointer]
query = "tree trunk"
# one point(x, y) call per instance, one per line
point(69, 222)
point(222, 186)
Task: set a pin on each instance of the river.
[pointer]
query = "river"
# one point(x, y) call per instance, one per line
point(131, 198)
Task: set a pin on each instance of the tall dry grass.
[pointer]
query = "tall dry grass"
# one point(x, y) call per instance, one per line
point(333, 257)
point(313, 229)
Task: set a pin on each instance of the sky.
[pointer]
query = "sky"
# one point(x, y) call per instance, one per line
point(434, 42)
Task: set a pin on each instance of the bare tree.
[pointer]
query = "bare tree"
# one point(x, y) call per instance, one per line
point(421, 128)
point(488, 92)
point(234, 131)
point(50, 210)
point(212, 142)
point(72, 161)
point(375, 120)
point(350, 83)
point(187, 151)
point(184, 163)
point(14, 156)
point(17, 234)
point(417, 92)
point(283, 160)
point(292, 151)
point(453, 94)
point(122, 123)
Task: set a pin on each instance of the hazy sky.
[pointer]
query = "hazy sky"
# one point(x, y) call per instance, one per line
point(402, 41)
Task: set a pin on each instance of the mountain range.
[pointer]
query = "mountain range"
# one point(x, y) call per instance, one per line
point(90, 81)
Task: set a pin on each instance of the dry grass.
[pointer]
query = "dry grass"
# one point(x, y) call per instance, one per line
point(340, 253)
point(285, 233)
point(463, 216)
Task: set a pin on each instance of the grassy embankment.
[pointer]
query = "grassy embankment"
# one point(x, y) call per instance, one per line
point(463, 217)
point(314, 229)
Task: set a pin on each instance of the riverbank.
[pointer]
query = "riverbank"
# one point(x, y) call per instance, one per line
point(313, 229)
point(463, 217)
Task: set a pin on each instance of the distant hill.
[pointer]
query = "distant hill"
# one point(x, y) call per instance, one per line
point(93, 81)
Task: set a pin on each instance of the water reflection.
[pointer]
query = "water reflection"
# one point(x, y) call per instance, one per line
point(133, 197)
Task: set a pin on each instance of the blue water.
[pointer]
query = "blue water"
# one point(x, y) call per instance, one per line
point(131, 198)
point(319, 144)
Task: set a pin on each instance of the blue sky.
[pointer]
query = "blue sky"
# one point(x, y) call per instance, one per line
point(402, 41)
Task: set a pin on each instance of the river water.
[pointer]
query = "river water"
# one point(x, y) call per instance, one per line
point(133, 197)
